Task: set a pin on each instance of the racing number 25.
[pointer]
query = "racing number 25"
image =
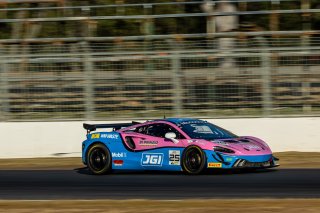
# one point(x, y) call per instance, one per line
point(174, 157)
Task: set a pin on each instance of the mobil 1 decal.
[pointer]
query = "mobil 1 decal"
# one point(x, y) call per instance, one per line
point(174, 157)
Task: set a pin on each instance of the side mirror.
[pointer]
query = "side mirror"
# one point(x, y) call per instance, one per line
point(171, 136)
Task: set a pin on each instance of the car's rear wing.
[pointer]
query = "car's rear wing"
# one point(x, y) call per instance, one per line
point(115, 126)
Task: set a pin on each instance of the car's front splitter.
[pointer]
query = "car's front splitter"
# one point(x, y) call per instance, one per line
point(228, 161)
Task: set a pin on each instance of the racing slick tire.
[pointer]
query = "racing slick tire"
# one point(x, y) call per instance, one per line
point(193, 160)
point(99, 159)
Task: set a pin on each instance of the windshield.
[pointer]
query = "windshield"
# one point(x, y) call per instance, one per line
point(205, 130)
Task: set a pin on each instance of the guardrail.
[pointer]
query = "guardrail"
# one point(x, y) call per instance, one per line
point(63, 139)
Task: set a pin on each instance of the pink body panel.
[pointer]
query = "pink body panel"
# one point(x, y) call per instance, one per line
point(242, 146)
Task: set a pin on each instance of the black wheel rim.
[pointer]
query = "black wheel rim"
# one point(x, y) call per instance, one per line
point(193, 160)
point(98, 159)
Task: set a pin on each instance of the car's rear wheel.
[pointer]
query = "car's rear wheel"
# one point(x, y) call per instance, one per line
point(99, 159)
point(193, 160)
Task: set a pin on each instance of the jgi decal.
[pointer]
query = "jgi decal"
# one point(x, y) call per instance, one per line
point(174, 157)
point(148, 143)
point(119, 154)
point(110, 136)
point(152, 159)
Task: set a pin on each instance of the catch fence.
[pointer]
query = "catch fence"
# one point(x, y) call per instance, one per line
point(242, 75)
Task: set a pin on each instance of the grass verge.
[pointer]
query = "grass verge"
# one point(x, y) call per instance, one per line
point(186, 206)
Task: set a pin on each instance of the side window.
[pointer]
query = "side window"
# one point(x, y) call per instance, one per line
point(141, 129)
point(150, 129)
point(158, 130)
point(155, 130)
point(169, 128)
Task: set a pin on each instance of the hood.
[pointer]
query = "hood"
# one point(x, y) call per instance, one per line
point(244, 145)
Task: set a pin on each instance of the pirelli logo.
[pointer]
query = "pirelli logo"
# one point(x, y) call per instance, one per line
point(214, 165)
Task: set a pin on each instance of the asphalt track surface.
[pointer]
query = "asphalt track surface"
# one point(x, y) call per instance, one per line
point(80, 184)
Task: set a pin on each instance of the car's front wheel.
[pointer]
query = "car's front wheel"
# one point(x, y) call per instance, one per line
point(99, 159)
point(193, 160)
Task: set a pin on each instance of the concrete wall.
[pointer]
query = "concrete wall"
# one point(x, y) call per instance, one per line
point(50, 139)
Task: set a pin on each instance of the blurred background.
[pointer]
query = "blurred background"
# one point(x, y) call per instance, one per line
point(120, 59)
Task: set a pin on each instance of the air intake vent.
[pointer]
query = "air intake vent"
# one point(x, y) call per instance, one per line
point(244, 140)
point(231, 141)
point(222, 149)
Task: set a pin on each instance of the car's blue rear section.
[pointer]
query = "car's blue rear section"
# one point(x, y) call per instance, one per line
point(122, 158)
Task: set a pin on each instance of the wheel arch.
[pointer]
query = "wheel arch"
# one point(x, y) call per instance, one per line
point(91, 145)
point(200, 149)
point(195, 146)
point(104, 155)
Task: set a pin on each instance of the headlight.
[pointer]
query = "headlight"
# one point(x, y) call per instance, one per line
point(222, 149)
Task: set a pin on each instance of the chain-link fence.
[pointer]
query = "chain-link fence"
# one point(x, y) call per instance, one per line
point(148, 78)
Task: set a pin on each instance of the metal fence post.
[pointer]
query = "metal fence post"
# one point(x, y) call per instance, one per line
point(148, 29)
point(305, 42)
point(148, 67)
point(89, 89)
point(266, 84)
point(4, 86)
point(176, 77)
point(266, 77)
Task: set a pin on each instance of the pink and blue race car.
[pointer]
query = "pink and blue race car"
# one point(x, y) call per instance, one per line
point(173, 144)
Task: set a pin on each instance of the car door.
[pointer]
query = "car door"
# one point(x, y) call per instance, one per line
point(144, 137)
point(151, 145)
point(152, 136)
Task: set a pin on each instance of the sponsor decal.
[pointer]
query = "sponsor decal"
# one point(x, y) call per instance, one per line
point(251, 146)
point(118, 162)
point(148, 143)
point(95, 135)
point(193, 122)
point(196, 141)
point(202, 129)
point(192, 141)
point(214, 165)
point(222, 143)
point(119, 154)
point(174, 157)
point(152, 159)
point(110, 136)
point(229, 159)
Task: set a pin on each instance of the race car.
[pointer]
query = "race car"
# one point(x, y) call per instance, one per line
point(172, 144)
